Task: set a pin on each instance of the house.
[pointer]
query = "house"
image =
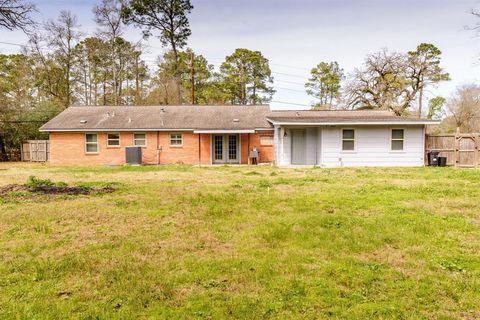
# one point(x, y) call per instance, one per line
point(348, 138)
point(227, 134)
point(167, 134)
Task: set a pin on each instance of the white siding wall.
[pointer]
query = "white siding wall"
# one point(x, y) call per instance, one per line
point(372, 147)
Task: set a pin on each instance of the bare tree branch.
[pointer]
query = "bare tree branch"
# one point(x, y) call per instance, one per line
point(15, 14)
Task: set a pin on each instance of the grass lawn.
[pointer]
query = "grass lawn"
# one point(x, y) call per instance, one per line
point(242, 242)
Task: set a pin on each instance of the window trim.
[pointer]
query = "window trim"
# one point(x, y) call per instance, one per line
point(87, 143)
point(267, 136)
point(108, 140)
point(391, 140)
point(176, 145)
point(354, 140)
point(133, 139)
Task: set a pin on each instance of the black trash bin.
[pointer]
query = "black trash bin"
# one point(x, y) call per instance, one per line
point(433, 158)
point(442, 161)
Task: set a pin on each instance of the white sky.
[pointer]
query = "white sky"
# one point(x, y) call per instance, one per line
point(296, 35)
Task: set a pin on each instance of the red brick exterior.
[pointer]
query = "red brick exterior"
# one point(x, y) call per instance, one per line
point(69, 148)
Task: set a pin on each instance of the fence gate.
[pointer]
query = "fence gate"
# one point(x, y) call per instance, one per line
point(467, 152)
point(35, 150)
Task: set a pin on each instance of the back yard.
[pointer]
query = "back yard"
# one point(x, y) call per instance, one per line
point(241, 242)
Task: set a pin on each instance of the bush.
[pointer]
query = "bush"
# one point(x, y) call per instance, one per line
point(34, 182)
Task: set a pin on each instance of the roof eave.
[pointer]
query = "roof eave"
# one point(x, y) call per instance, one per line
point(245, 130)
point(350, 123)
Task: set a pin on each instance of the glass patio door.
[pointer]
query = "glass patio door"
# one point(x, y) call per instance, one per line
point(225, 148)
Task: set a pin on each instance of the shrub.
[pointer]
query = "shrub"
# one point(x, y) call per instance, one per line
point(35, 182)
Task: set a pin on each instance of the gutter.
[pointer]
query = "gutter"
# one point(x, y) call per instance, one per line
point(350, 123)
point(155, 130)
point(111, 130)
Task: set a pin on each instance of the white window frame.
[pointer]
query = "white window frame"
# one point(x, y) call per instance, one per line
point(108, 140)
point(391, 140)
point(354, 140)
point(91, 143)
point(181, 140)
point(266, 144)
point(134, 139)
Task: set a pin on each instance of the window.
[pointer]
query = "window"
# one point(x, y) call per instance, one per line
point(348, 139)
point(176, 139)
point(139, 139)
point(91, 143)
point(398, 138)
point(266, 140)
point(113, 140)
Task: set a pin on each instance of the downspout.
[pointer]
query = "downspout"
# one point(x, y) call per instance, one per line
point(248, 149)
point(158, 147)
point(199, 151)
point(424, 138)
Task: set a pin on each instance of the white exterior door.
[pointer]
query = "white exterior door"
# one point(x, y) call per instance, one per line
point(299, 147)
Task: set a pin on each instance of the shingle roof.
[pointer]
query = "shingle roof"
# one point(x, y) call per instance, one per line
point(206, 118)
point(160, 118)
point(338, 116)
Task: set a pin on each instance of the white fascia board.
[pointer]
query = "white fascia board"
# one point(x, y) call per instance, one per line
point(112, 130)
point(353, 123)
point(225, 131)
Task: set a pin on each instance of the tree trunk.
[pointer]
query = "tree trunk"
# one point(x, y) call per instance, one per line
point(105, 90)
point(3, 151)
point(177, 73)
point(85, 81)
point(120, 84)
point(114, 72)
point(67, 76)
point(136, 80)
point(420, 101)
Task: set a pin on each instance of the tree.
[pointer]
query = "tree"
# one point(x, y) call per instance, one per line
point(23, 108)
point(91, 71)
point(169, 18)
point(196, 71)
point(62, 36)
point(108, 18)
point(394, 80)
point(424, 69)
point(435, 108)
point(246, 77)
point(464, 108)
point(324, 83)
point(15, 14)
point(380, 84)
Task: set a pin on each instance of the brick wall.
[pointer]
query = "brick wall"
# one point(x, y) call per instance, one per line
point(69, 148)
point(249, 141)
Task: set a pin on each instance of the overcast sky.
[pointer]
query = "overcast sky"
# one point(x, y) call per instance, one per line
point(297, 34)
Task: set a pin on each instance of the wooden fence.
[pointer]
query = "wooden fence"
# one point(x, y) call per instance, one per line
point(461, 149)
point(35, 150)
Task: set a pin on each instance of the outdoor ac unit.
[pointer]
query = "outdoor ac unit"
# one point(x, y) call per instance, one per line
point(133, 155)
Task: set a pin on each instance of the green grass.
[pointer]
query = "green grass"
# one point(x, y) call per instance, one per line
point(242, 242)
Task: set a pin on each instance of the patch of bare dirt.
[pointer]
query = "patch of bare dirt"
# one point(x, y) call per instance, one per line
point(54, 190)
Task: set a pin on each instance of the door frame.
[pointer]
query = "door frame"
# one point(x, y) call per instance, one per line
point(225, 138)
